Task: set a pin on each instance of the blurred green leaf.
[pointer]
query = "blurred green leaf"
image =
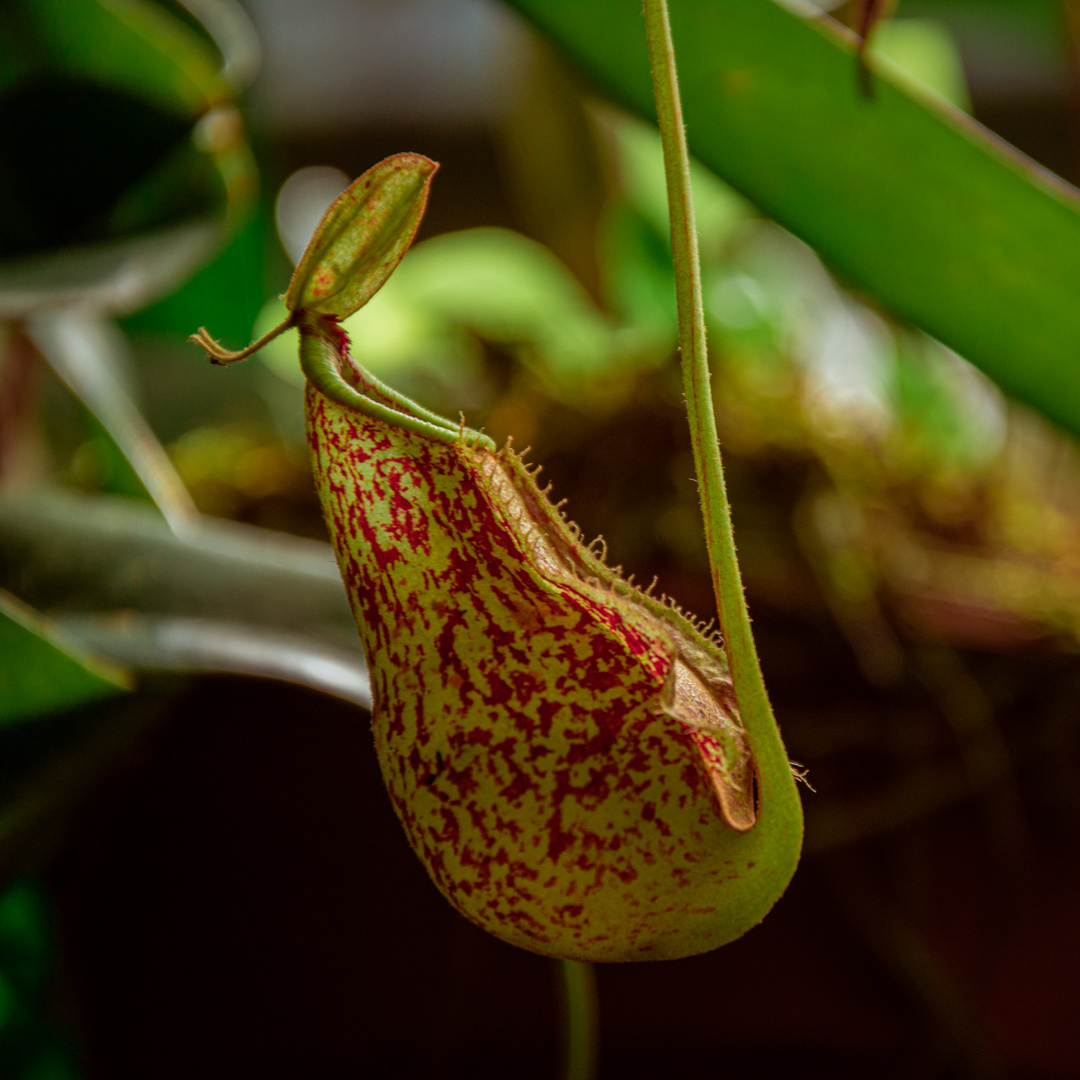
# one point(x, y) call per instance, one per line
point(133, 96)
point(509, 290)
point(638, 274)
point(118, 88)
point(906, 198)
point(133, 46)
point(114, 275)
point(32, 1046)
point(40, 673)
point(115, 138)
point(717, 209)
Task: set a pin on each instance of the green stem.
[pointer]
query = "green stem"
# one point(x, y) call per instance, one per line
point(577, 983)
point(755, 710)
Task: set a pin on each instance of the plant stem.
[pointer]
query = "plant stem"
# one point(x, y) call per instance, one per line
point(754, 708)
point(581, 1024)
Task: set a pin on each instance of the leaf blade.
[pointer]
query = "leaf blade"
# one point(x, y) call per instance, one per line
point(40, 673)
point(907, 198)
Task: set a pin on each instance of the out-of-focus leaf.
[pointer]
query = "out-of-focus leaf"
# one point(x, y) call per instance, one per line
point(117, 140)
point(133, 95)
point(236, 38)
point(717, 209)
point(907, 198)
point(118, 88)
point(118, 583)
point(202, 646)
point(218, 598)
point(134, 46)
point(87, 554)
point(227, 293)
point(362, 237)
point(40, 672)
point(638, 279)
point(507, 289)
point(119, 276)
point(33, 1046)
point(85, 351)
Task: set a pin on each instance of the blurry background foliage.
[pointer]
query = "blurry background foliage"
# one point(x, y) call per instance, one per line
point(202, 874)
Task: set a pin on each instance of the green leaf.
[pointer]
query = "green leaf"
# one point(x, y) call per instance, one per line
point(133, 95)
point(39, 673)
point(134, 46)
point(508, 289)
point(907, 198)
point(362, 237)
point(113, 275)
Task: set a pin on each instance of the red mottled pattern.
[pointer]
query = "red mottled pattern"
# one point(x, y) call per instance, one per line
point(560, 748)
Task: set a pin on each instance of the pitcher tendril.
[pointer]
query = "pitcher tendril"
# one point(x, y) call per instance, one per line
point(221, 356)
point(781, 811)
